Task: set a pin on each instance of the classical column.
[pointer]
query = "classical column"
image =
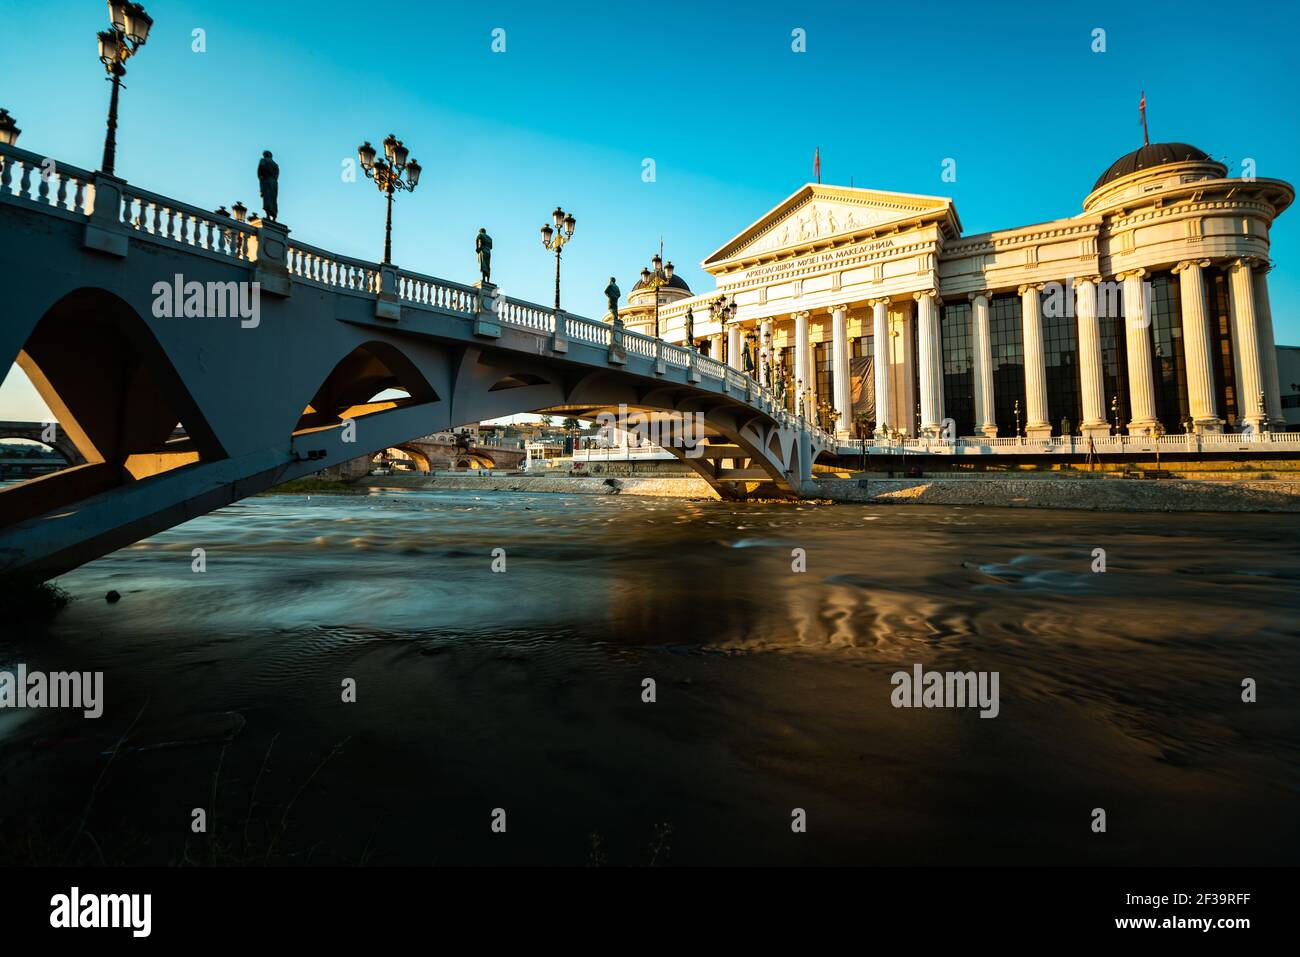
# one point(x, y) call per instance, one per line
point(802, 363)
point(1092, 383)
point(765, 351)
point(1268, 349)
point(986, 421)
point(883, 353)
point(1245, 339)
point(843, 397)
point(1137, 337)
point(734, 357)
point(1031, 321)
point(930, 362)
point(1197, 347)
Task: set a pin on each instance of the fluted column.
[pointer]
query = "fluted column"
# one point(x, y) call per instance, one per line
point(1245, 339)
point(1092, 384)
point(1137, 337)
point(930, 362)
point(734, 358)
point(843, 397)
point(1197, 348)
point(1031, 322)
point(802, 363)
point(1268, 348)
point(883, 353)
point(986, 420)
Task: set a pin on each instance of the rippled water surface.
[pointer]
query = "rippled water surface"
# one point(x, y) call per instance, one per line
point(522, 690)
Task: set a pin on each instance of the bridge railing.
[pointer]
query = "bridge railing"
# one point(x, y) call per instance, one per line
point(171, 221)
point(526, 315)
point(323, 268)
point(66, 190)
point(436, 293)
point(27, 177)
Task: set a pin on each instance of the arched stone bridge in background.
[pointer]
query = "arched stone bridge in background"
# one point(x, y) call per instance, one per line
point(36, 432)
point(124, 309)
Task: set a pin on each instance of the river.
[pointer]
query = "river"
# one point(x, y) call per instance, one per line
point(522, 690)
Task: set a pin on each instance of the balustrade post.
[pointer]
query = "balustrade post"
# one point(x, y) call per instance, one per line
point(104, 231)
point(617, 352)
point(387, 305)
point(487, 320)
point(560, 338)
point(269, 251)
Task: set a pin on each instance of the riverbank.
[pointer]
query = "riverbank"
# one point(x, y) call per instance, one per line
point(1045, 491)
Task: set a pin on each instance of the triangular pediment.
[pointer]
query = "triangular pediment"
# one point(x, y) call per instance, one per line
point(817, 214)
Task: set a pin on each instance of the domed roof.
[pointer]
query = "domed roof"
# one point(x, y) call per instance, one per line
point(677, 282)
point(1153, 154)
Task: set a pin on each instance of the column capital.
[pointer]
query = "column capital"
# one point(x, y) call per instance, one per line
point(1077, 281)
point(985, 294)
point(1187, 264)
point(881, 301)
point(923, 293)
point(1130, 274)
point(799, 315)
point(831, 310)
point(1030, 287)
point(1249, 262)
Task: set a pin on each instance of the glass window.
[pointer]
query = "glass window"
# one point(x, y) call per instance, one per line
point(1169, 365)
point(825, 386)
point(1006, 343)
point(958, 368)
point(1114, 354)
point(864, 347)
point(1221, 353)
point(1061, 358)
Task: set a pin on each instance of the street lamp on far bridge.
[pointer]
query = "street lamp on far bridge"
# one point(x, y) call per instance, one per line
point(8, 129)
point(387, 172)
point(557, 239)
point(128, 30)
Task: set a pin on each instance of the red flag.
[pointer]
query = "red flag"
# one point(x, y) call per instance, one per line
point(817, 163)
point(1142, 116)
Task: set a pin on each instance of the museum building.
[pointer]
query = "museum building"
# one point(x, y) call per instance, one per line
point(1147, 313)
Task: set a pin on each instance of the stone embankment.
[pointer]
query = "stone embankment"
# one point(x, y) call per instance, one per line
point(1092, 493)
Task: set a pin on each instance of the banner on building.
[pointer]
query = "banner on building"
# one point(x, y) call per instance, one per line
point(862, 377)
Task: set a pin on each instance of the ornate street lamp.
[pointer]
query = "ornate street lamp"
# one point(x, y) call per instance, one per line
point(387, 171)
point(1114, 414)
point(1016, 410)
point(557, 239)
point(128, 31)
point(8, 129)
point(655, 279)
point(725, 309)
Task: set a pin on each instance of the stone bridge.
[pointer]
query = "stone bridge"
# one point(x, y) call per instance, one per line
point(133, 313)
point(37, 432)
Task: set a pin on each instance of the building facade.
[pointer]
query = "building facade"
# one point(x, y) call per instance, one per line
point(1147, 313)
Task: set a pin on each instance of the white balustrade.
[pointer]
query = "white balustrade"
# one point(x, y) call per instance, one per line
point(29, 177)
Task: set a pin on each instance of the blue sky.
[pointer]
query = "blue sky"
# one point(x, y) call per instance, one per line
point(712, 92)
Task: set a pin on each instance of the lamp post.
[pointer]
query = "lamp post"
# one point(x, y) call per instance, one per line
point(655, 279)
point(724, 308)
point(557, 239)
point(387, 172)
point(1016, 410)
point(128, 30)
point(1114, 414)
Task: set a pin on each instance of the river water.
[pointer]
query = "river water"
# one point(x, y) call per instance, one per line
point(522, 689)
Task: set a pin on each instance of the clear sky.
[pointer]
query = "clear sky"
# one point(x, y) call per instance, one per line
point(712, 92)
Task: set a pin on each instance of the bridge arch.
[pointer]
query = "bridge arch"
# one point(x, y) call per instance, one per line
point(353, 386)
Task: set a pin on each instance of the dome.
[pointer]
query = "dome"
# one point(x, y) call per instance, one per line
point(1153, 154)
point(677, 282)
